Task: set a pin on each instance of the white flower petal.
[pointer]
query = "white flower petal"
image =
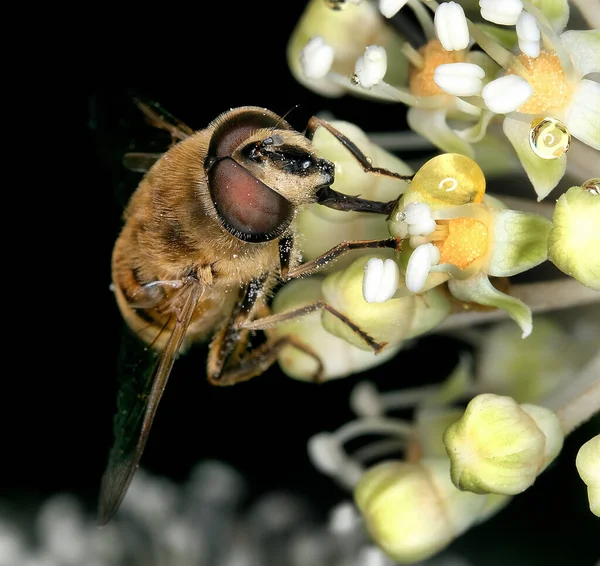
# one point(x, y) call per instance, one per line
point(506, 94)
point(316, 58)
point(528, 33)
point(503, 12)
point(432, 125)
point(583, 47)
point(389, 8)
point(451, 26)
point(419, 264)
point(371, 67)
point(583, 118)
point(459, 79)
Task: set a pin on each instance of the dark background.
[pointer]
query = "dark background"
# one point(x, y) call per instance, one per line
point(60, 402)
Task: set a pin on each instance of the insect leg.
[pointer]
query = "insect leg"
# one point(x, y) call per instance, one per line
point(360, 157)
point(274, 319)
point(334, 253)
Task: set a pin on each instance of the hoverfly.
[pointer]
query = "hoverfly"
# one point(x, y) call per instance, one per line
point(207, 235)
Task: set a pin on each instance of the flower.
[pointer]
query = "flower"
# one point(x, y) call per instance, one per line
point(541, 90)
point(499, 446)
point(461, 236)
point(430, 108)
point(588, 466)
point(201, 522)
point(574, 239)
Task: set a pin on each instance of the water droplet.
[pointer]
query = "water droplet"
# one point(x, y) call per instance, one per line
point(449, 179)
point(354, 80)
point(549, 138)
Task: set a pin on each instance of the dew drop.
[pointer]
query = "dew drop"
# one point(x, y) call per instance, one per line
point(449, 179)
point(549, 138)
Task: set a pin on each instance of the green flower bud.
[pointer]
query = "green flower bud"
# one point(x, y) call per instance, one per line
point(391, 321)
point(412, 510)
point(499, 446)
point(588, 466)
point(574, 240)
point(339, 358)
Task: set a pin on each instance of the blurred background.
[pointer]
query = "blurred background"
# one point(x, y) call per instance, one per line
point(57, 429)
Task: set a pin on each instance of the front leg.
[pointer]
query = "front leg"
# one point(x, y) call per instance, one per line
point(325, 259)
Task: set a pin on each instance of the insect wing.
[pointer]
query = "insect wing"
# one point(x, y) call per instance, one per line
point(140, 390)
point(160, 118)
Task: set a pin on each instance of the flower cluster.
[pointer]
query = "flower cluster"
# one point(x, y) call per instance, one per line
point(423, 482)
point(511, 62)
point(203, 522)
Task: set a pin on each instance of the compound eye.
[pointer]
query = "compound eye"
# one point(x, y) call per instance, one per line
point(247, 208)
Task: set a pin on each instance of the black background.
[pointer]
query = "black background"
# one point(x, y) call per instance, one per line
point(59, 402)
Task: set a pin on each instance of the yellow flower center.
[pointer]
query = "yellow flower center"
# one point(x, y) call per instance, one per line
point(547, 78)
point(461, 241)
point(421, 78)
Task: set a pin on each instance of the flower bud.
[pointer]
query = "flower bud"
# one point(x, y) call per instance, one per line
point(588, 466)
point(412, 510)
point(339, 358)
point(574, 240)
point(499, 446)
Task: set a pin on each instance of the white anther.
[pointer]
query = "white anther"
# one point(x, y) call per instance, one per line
point(451, 26)
point(370, 68)
point(316, 58)
point(506, 94)
point(503, 12)
point(418, 217)
point(528, 34)
point(459, 79)
point(389, 8)
point(326, 453)
point(365, 400)
point(419, 264)
point(380, 281)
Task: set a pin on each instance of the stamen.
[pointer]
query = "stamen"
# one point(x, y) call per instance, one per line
point(418, 217)
point(389, 8)
point(380, 281)
point(459, 79)
point(367, 402)
point(419, 264)
point(502, 12)
point(316, 58)
point(371, 67)
point(421, 79)
point(506, 94)
point(451, 26)
point(528, 34)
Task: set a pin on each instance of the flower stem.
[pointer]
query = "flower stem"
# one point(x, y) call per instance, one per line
point(579, 400)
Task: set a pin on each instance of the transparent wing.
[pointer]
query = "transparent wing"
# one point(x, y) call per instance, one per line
point(140, 389)
point(159, 118)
